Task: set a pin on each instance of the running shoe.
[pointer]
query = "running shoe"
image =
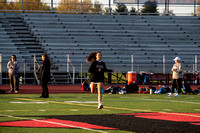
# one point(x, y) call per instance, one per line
point(170, 95)
point(177, 95)
point(100, 106)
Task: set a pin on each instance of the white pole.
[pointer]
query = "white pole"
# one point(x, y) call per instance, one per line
point(25, 72)
point(34, 64)
point(74, 75)
point(81, 73)
point(193, 68)
point(67, 63)
point(0, 69)
point(195, 63)
point(131, 62)
point(163, 64)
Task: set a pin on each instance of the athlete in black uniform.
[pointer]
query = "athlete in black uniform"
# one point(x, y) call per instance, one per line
point(97, 69)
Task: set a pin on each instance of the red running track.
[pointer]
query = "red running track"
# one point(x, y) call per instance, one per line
point(53, 89)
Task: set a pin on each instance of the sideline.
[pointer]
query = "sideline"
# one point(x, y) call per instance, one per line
point(56, 123)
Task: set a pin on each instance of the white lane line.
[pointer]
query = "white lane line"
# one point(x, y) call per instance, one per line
point(30, 102)
point(81, 101)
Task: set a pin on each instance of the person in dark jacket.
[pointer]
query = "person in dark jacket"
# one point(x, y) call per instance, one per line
point(44, 75)
point(97, 69)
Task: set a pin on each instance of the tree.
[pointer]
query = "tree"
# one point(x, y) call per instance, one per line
point(150, 7)
point(198, 11)
point(27, 5)
point(97, 7)
point(121, 9)
point(34, 5)
point(170, 13)
point(68, 6)
point(87, 6)
point(133, 11)
point(74, 6)
point(108, 10)
point(3, 4)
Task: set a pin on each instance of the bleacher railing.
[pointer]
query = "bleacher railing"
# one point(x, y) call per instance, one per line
point(70, 65)
point(29, 76)
point(36, 69)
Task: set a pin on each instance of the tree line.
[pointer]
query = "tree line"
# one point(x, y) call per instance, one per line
point(75, 6)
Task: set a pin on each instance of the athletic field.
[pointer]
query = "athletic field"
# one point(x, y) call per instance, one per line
point(77, 112)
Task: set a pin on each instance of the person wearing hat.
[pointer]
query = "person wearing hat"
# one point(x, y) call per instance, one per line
point(177, 77)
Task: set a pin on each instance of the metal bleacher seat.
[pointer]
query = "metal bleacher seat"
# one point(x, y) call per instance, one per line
point(118, 37)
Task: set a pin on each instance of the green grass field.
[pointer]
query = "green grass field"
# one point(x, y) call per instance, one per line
point(15, 107)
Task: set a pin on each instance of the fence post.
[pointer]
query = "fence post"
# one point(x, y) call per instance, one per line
point(81, 7)
point(163, 64)
point(22, 5)
point(138, 7)
point(109, 7)
point(52, 6)
point(195, 7)
point(0, 69)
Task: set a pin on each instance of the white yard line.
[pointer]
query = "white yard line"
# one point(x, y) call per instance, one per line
point(56, 123)
point(118, 108)
point(167, 100)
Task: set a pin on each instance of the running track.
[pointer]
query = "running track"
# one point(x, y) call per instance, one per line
point(53, 89)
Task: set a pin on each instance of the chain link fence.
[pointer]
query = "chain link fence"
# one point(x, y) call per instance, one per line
point(179, 8)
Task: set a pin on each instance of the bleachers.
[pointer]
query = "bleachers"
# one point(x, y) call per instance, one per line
point(118, 37)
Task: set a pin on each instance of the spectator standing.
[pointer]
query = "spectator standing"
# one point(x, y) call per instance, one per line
point(13, 69)
point(177, 77)
point(44, 75)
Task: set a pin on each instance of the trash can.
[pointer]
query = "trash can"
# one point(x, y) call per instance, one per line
point(131, 77)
